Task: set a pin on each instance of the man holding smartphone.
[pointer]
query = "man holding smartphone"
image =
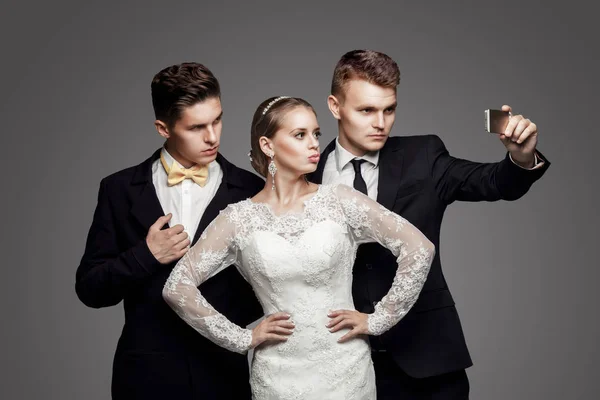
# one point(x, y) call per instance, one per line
point(425, 355)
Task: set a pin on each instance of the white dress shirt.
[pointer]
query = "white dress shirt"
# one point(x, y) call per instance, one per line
point(338, 169)
point(187, 200)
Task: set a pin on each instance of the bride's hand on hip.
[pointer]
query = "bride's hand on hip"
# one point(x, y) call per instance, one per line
point(354, 320)
point(274, 328)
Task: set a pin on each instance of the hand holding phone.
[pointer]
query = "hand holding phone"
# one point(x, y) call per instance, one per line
point(517, 133)
point(496, 121)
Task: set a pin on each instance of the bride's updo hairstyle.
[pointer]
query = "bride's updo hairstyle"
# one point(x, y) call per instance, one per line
point(266, 121)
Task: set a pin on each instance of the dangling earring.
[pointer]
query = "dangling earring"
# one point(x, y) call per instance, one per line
point(272, 169)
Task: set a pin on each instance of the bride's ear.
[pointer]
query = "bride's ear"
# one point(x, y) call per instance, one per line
point(266, 145)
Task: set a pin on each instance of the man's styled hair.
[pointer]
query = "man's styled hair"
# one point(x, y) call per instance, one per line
point(180, 86)
point(372, 66)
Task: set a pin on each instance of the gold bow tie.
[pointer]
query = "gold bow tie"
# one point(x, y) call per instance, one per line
point(176, 174)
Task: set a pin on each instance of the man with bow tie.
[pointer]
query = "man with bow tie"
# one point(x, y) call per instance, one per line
point(146, 218)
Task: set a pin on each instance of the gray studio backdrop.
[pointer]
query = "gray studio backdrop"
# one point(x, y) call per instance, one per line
point(76, 107)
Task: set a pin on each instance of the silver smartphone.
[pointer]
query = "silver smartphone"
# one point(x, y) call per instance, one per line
point(496, 120)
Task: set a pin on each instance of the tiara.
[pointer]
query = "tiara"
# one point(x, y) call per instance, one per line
point(273, 102)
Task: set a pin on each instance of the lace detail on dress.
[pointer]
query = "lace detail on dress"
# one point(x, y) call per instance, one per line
point(414, 252)
point(213, 252)
point(301, 263)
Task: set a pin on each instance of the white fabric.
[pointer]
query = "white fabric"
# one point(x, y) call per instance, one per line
point(187, 201)
point(301, 263)
point(338, 169)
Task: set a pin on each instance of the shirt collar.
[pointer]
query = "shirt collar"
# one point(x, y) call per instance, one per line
point(343, 156)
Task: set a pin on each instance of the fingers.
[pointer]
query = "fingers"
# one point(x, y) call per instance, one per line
point(343, 319)
point(275, 327)
point(529, 130)
point(278, 316)
point(284, 324)
point(160, 222)
point(275, 338)
point(519, 129)
point(182, 244)
point(506, 108)
point(280, 330)
point(336, 313)
point(336, 321)
point(512, 124)
point(174, 230)
point(346, 323)
point(353, 333)
point(180, 237)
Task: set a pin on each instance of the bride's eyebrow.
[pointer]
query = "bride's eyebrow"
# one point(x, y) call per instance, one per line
point(299, 130)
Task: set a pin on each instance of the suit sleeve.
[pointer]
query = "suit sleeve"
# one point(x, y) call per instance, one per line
point(105, 272)
point(463, 180)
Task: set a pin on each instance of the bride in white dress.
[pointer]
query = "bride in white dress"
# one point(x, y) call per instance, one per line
point(295, 242)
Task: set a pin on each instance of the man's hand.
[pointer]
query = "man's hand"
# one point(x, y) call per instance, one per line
point(169, 244)
point(520, 139)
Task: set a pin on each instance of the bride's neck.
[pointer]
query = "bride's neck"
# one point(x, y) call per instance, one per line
point(288, 189)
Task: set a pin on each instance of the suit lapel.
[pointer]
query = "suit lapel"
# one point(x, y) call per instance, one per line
point(221, 199)
point(145, 207)
point(317, 176)
point(390, 172)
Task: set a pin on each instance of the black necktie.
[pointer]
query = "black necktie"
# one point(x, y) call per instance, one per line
point(359, 182)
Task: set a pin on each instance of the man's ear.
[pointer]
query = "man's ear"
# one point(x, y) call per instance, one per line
point(162, 129)
point(334, 106)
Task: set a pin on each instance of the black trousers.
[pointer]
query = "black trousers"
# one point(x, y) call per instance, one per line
point(393, 383)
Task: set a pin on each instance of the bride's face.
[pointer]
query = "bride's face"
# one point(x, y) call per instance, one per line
point(296, 142)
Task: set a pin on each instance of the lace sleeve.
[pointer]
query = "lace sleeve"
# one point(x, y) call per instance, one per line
point(371, 222)
point(213, 251)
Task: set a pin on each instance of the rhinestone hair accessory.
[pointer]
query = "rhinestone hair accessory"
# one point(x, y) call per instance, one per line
point(273, 102)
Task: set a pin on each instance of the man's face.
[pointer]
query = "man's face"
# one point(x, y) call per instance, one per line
point(195, 137)
point(366, 114)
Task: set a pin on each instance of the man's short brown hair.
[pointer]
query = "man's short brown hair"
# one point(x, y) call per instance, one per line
point(371, 66)
point(180, 86)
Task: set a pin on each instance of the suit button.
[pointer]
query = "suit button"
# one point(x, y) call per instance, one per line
point(369, 266)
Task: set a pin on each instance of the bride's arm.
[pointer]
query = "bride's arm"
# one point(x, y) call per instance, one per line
point(214, 250)
point(369, 222)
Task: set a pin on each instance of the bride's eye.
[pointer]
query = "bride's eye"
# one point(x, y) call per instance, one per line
point(317, 134)
point(299, 135)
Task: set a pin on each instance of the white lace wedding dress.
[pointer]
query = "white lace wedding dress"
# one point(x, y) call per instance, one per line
point(301, 263)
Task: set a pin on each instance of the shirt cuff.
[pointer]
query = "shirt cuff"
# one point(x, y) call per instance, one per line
point(537, 162)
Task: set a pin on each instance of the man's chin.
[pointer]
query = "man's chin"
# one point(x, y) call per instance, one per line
point(374, 145)
point(206, 160)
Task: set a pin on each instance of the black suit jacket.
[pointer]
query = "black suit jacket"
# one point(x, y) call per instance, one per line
point(158, 355)
point(418, 179)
